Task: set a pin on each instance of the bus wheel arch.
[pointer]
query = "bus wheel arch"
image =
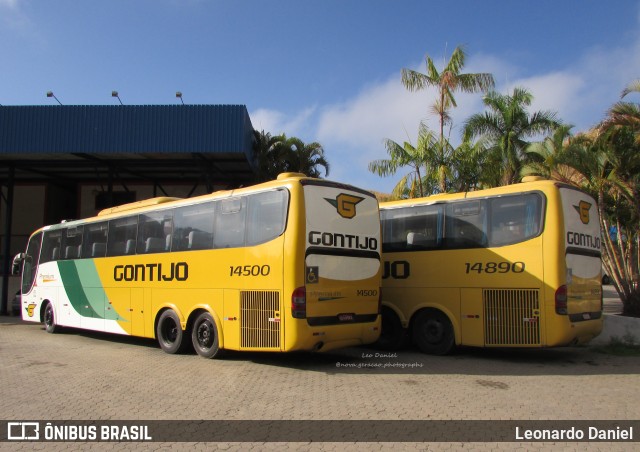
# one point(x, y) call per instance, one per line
point(393, 335)
point(169, 332)
point(48, 317)
point(433, 332)
point(206, 336)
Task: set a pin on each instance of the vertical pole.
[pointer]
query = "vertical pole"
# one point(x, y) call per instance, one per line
point(6, 246)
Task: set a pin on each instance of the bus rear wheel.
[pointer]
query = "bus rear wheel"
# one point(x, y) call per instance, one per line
point(204, 336)
point(50, 320)
point(169, 332)
point(433, 333)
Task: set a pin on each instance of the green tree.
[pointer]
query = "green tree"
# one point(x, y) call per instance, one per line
point(267, 155)
point(470, 164)
point(407, 155)
point(625, 114)
point(281, 154)
point(507, 126)
point(607, 164)
point(447, 82)
point(306, 158)
point(548, 158)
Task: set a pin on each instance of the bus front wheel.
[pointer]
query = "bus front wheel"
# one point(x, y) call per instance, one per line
point(204, 336)
point(433, 333)
point(50, 320)
point(169, 332)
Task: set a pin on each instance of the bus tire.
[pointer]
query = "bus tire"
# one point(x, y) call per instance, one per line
point(205, 337)
point(169, 332)
point(393, 336)
point(49, 320)
point(433, 333)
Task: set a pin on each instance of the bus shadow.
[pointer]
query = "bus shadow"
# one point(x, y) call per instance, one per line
point(568, 361)
point(366, 360)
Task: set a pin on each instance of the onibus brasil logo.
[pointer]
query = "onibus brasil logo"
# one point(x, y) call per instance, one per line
point(345, 204)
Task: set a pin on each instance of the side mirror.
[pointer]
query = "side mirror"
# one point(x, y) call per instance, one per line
point(16, 266)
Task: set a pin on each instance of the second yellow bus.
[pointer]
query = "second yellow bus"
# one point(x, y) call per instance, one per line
point(514, 266)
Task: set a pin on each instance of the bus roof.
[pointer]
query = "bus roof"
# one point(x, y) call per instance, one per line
point(522, 187)
point(168, 202)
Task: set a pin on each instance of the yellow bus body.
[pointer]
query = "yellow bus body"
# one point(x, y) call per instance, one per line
point(246, 289)
point(543, 291)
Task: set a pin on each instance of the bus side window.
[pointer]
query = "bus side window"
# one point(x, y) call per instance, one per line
point(267, 214)
point(465, 225)
point(154, 232)
point(193, 227)
point(51, 244)
point(515, 218)
point(122, 236)
point(72, 242)
point(230, 223)
point(94, 242)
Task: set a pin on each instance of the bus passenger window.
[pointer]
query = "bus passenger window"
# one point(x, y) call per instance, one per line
point(51, 244)
point(153, 230)
point(515, 218)
point(193, 227)
point(122, 236)
point(230, 223)
point(465, 225)
point(72, 242)
point(267, 215)
point(94, 241)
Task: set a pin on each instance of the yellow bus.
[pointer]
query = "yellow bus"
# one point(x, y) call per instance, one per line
point(514, 266)
point(291, 264)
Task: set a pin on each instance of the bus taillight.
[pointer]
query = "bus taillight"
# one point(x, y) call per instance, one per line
point(299, 303)
point(561, 300)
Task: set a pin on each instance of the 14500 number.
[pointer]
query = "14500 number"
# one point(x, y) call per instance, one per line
point(494, 267)
point(249, 270)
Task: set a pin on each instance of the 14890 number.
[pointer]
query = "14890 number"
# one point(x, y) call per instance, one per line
point(494, 267)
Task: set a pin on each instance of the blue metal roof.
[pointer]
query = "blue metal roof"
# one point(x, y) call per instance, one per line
point(104, 129)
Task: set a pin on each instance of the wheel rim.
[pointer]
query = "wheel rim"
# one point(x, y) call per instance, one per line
point(48, 316)
point(170, 331)
point(434, 332)
point(205, 334)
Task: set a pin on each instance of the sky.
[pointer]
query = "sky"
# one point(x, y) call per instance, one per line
point(323, 70)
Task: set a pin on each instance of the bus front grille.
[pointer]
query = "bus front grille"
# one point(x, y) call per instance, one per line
point(511, 316)
point(260, 319)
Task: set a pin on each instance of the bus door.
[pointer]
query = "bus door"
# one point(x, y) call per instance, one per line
point(29, 261)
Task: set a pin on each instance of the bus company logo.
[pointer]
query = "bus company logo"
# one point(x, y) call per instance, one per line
point(583, 208)
point(345, 204)
point(30, 309)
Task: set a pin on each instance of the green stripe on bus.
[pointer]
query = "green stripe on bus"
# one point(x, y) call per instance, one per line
point(84, 289)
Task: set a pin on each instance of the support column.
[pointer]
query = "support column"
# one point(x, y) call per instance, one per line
point(6, 245)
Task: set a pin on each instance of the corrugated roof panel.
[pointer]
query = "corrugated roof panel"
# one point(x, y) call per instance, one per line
point(125, 129)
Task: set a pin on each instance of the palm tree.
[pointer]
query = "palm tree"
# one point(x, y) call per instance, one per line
point(507, 125)
point(625, 114)
point(412, 184)
point(267, 162)
point(447, 82)
point(279, 154)
point(548, 158)
point(470, 165)
point(306, 158)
